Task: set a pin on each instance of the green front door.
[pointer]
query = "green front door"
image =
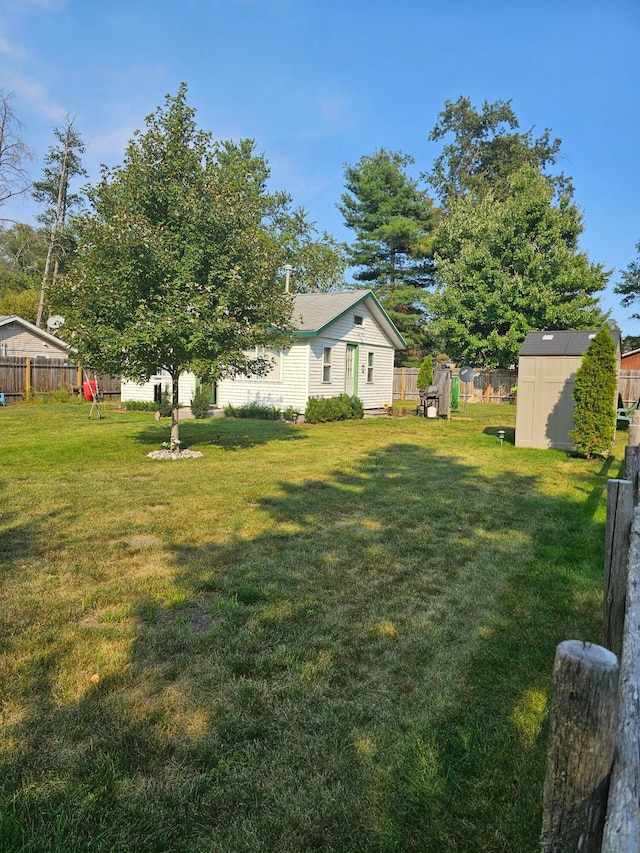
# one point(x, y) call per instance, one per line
point(351, 370)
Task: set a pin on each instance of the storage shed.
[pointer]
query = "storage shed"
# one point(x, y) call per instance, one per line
point(546, 376)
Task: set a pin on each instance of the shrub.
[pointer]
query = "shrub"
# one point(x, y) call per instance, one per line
point(254, 412)
point(139, 406)
point(594, 394)
point(324, 409)
point(425, 374)
point(164, 406)
point(200, 404)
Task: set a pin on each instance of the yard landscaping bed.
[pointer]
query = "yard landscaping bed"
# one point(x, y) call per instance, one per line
point(336, 637)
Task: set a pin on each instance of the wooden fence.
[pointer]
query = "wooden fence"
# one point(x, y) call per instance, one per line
point(592, 786)
point(488, 386)
point(629, 386)
point(21, 377)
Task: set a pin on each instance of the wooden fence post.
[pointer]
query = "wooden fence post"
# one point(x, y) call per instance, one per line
point(581, 747)
point(632, 467)
point(620, 494)
point(27, 378)
point(634, 428)
point(622, 828)
point(402, 384)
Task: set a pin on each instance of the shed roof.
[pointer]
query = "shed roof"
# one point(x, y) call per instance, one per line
point(313, 312)
point(563, 342)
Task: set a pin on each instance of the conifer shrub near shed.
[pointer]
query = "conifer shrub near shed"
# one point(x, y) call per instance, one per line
point(425, 374)
point(594, 394)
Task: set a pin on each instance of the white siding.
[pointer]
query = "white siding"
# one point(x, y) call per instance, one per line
point(289, 390)
point(144, 392)
point(23, 343)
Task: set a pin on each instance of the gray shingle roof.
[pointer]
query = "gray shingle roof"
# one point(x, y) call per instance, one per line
point(561, 342)
point(312, 312)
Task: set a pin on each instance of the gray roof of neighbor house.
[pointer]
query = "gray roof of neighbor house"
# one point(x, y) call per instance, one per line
point(313, 312)
point(6, 319)
point(565, 342)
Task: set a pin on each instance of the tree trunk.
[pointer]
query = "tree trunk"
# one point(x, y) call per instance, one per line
point(175, 426)
point(57, 219)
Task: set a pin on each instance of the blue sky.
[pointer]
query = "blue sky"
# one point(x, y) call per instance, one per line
point(319, 83)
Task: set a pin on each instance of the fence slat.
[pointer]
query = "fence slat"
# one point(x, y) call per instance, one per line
point(581, 747)
point(620, 495)
point(622, 828)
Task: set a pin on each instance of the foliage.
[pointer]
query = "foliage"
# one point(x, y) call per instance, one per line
point(23, 251)
point(139, 406)
point(629, 288)
point(325, 409)
point(595, 397)
point(318, 262)
point(425, 374)
point(253, 411)
point(200, 404)
point(176, 268)
point(507, 267)
point(63, 164)
point(164, 407)
point(486, 150)
point(392, 218)
point(630, 342)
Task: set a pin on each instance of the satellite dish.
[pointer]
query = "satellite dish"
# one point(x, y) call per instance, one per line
point(55, 322)
point(466, 374)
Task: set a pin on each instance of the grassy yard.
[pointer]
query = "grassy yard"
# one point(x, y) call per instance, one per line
point(335, 637)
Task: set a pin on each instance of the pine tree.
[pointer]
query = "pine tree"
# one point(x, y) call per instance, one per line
point(594, 394)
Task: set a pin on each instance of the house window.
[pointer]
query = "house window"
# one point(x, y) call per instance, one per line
point(358, 320)
point(370, 367)
point(274, 368)
point(326, 364)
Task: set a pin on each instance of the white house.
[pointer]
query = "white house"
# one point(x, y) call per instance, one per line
point(20, 338)
point(343, 342)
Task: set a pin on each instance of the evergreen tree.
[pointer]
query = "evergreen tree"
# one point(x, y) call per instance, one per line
point(392, 217)
point(425, 374)
point(595, 397)
point(629, 288)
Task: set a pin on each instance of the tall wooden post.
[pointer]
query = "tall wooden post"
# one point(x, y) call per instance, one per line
point(620, 494)
point(581, 747)
point(403, 380)
point(27, 378)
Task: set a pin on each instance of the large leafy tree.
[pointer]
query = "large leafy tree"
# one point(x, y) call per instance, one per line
point(507, 249)
point(629, 287)
point(175, 267)
point(484, 148)
point(392, 218)
point(318, 260)
point(23, 251)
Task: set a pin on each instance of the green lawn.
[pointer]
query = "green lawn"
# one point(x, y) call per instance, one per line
point(335, 637)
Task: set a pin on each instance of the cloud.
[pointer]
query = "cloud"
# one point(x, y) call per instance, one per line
point(35, 92)
point(14, 51)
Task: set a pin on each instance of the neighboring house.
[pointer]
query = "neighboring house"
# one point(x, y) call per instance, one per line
point(343, 342)
point(24, 340)
point(630, 360)
point(546, 376)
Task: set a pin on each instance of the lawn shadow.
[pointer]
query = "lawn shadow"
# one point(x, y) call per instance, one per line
point(509, 433)
point(226, 433)
point(372, 675)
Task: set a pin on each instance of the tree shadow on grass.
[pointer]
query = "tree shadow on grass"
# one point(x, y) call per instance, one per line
point(227, 433)
point(372, 675)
